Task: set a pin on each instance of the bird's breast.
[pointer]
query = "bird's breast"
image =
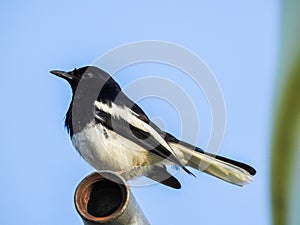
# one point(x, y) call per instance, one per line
point(104, 149)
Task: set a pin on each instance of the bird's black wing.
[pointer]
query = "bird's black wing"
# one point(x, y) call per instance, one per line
point(117, 112)
point(128, 120)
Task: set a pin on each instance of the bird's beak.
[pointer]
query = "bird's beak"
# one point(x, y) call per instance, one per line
point(62, 74)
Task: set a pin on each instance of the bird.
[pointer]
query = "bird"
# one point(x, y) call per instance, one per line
point(111, 132)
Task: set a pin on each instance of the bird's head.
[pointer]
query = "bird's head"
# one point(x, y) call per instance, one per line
point(89, 73)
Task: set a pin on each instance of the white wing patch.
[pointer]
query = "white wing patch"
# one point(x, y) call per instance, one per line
point(132, 118)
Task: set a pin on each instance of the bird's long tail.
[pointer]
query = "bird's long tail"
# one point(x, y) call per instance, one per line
point(226, 169)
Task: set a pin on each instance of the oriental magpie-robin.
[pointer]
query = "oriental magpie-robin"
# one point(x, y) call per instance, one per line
point(111, 132)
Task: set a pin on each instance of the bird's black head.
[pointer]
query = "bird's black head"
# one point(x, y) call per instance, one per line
point(88, 84)
point(83, 73)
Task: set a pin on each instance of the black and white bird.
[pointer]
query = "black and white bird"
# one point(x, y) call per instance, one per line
point(113, 133)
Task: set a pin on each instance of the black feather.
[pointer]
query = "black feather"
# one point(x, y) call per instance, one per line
point(161, 175)
point(136, 135)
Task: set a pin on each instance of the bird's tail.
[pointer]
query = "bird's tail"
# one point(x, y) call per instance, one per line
point(226, 169)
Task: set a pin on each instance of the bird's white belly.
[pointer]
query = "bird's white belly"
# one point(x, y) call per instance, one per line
point(106, 150)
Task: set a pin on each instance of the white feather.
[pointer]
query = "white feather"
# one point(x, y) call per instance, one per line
point(131, 117)
point(104, 149)
point(208, 164)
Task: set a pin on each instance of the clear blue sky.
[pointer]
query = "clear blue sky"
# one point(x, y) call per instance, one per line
point(39, 167)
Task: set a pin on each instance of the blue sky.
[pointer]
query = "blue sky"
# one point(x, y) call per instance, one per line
point(39, 167)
